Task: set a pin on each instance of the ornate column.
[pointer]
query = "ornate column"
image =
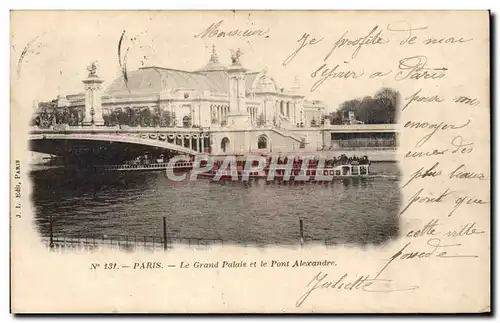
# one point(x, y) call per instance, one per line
point(193, 115)
point(294, 109)
point(93, 106)
point(239, 116)
point(267, 110)
point(199, 114)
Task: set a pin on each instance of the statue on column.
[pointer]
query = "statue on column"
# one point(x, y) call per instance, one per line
point(93, 105)
point(92, 69)
point(235, 56)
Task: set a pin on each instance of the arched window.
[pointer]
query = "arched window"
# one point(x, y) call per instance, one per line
point(224, 145)
point(262, 142)
point(186, 122)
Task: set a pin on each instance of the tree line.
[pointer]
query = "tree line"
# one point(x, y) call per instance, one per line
point(379, 109)
point(141, 118)
point(49, 114)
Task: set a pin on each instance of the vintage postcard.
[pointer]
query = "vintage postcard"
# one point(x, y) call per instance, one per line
point(250, 161)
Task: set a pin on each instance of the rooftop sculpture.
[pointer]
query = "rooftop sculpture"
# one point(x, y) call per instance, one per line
point(92, 69)
point(235, 56)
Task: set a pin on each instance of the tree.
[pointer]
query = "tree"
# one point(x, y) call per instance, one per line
point(371, 110)
point(46, 117)
point(166, 118)
point(106, 120)
point(133, 118)
point(366, 110)
point(187, 121)
point(123, 117)
point(35, 121)
point(113, 118)
point(155, 122)
point(336, 117)
point(65, 116)
point(389, 100)
point(80, 116)
point(145, 118)
point(350, 105)
point(387, 97)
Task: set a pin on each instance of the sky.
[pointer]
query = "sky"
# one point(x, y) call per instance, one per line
point(58, 46)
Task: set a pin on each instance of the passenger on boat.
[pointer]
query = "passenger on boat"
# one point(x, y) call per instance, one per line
point(364, 160)
point(160, 159)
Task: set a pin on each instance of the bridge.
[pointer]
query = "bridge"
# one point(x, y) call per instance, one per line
point(96, 145)
point(91, 144)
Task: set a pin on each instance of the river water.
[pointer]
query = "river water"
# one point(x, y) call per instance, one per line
point(344, 212)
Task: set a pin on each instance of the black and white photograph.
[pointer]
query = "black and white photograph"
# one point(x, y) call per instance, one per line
point(113, 164)
point(250, 161)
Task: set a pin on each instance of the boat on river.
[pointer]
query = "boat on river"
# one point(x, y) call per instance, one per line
point(311, 174)
point(281, 170)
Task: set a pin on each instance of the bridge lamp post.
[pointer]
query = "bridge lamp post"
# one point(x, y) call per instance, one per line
point(92, 113)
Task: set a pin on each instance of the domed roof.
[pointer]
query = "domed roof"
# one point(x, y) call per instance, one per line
point(156, 79)
point(213, 63)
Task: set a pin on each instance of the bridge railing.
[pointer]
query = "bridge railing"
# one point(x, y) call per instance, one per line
point(363, 127)
point(157, 243)
point(154, 243)
point(124, 242)
point(364, 143)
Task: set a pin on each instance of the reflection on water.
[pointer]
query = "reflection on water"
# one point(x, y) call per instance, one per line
point(348, 211)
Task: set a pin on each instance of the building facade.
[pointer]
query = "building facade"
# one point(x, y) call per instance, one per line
point(205, 97)
point(220, 109)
